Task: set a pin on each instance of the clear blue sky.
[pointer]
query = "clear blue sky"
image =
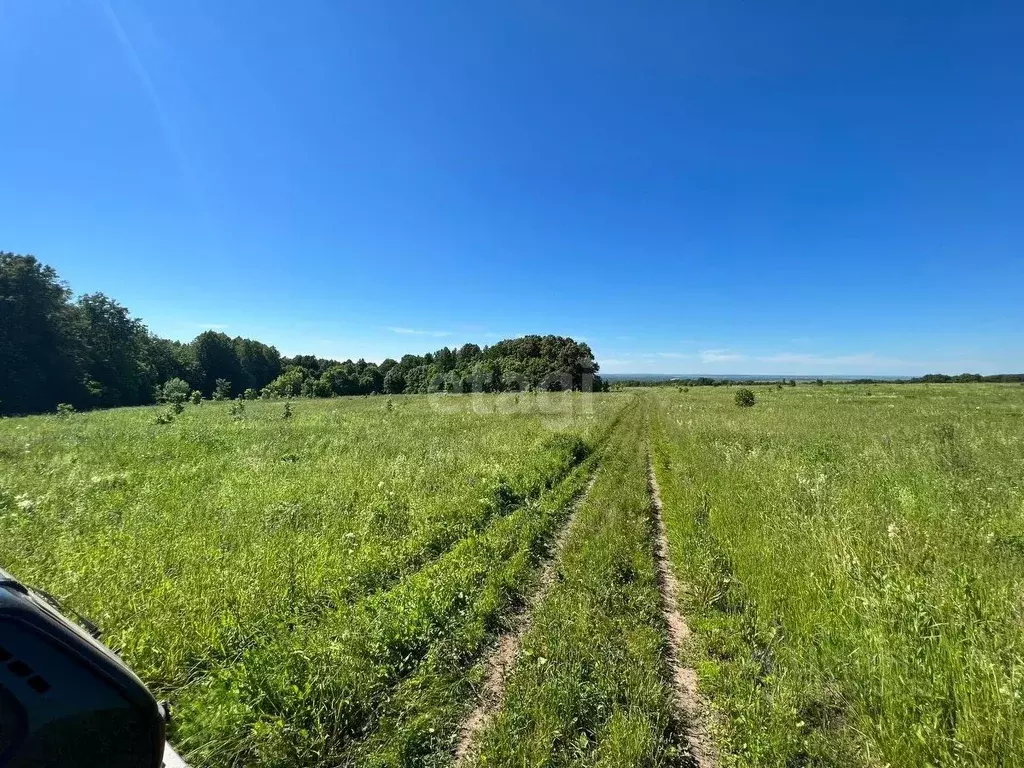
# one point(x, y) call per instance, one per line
point(700, 186)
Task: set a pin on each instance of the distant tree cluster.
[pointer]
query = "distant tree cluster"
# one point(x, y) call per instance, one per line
point(700, 381)
point(92, 353)
point(969, 378)
point(931, 378)
point(550, 363)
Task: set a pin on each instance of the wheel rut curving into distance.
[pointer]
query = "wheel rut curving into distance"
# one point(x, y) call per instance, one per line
point(500, 661)
point(692, 707)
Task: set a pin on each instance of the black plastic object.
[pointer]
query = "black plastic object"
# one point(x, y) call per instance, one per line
point(65, 699)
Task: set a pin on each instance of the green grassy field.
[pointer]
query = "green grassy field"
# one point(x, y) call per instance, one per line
point(324, 590)
point(591, 684)
point(855, 562)
point(241, 566)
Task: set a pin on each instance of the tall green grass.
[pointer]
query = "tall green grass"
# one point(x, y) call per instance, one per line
point(234, 562)
point(855, 561)
point(591, 685)
point(320, 590)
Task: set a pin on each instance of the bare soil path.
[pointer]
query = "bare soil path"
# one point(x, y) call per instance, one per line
point(501, 659)
point(692, 706)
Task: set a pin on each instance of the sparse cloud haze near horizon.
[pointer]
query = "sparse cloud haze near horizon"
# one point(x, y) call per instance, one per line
point(418, 332)
point(713, 360)
point(725, 362)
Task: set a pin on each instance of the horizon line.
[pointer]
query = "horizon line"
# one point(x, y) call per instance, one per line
point(805, 375)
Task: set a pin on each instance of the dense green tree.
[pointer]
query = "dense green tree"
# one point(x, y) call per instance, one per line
point(217, 358)
point(467, 353)
point(313, 366)
point(289, 383)
point(394, 381)
point(94, 353)
point(341, 380)
point(445, 359)
point(322, 388)
point(114, 348)
point(259, 364)
point(485, 376)
point(40, 362)
point(371, 380)
point(171, 359)
point(416, 379)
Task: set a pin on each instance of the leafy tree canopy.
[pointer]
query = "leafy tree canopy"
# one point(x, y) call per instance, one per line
point(92, 353)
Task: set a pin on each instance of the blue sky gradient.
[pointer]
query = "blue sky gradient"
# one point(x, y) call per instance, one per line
point(702, 187)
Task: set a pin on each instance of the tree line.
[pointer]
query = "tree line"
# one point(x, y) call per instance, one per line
point(969, 378)
point(90, 352)
point(930, 378)
point(699, 381)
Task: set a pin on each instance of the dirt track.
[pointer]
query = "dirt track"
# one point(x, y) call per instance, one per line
point(692, 708)
point(503, 656)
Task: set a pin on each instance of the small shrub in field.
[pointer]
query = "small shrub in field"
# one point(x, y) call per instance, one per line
point(197, 397)
point(65, 409)
point(237, 408)
point(174, 389)
point(287, 410)
point(250, 394)
point(745, 398)
point(222, 389)
point(176, 394)
point(167, 415)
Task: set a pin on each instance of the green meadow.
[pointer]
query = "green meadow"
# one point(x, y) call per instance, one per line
point(326, 588)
